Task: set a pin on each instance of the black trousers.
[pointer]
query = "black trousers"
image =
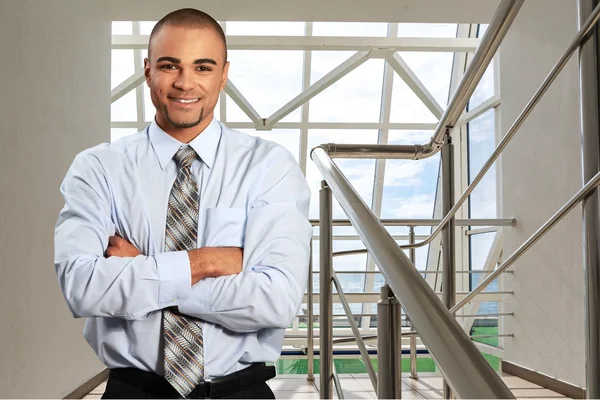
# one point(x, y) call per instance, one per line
point(136, 384)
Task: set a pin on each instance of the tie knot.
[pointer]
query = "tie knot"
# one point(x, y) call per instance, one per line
point(185, 156)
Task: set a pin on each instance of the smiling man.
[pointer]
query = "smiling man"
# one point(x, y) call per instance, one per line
point(186, 245)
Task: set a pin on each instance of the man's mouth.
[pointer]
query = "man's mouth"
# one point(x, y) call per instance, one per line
point(184, 101)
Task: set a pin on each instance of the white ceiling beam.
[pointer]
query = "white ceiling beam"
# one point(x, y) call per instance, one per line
point(413, 82)
point(323, 43)
point(487, 105)
point(127, 86)
point(243, 103)
point(329, 79)
point(426, 11)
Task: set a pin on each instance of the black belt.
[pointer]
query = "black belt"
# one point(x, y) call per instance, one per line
point(216, 387)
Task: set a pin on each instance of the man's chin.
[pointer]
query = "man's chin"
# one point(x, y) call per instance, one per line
point(184, 124)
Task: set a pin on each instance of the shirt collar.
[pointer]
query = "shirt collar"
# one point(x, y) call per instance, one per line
point(205, 144)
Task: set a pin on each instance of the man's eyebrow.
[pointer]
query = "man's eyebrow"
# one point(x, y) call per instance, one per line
point(205, 61)
point(169, 59)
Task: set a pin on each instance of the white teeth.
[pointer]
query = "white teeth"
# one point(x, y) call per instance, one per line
point(186, 101)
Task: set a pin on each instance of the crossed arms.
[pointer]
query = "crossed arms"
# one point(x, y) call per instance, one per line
point(261, 287)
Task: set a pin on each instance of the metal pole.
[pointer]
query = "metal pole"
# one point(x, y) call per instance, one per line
point(389, 349)
point(355, 331)
point(461, 362)
point(309, 326)
point(326, 295)
point(590, 149)
point(412, 255)
point(448, 238)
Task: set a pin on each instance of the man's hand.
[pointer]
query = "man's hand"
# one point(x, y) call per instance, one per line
point(206, 262)
point(211, 262)
point(119, 247)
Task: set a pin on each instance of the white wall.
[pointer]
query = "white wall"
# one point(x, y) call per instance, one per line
point(541, 171)
point(54, 102)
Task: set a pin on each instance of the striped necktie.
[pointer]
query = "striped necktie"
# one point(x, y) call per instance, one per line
point(184, 351)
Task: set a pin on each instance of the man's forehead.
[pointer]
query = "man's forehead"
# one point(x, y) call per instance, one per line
point(188, 43)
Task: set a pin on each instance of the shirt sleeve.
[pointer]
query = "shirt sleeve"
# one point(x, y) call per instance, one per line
point(95, 286)
point(270, 289)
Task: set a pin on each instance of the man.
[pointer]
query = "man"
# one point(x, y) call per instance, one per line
point(185, 245)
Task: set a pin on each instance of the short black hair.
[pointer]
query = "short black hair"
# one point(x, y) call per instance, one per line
point(189, 18)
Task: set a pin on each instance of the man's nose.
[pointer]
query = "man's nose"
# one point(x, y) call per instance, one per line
point(185, 80)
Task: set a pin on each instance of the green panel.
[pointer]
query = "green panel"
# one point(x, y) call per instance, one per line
point(484, 330)
point(347, 365)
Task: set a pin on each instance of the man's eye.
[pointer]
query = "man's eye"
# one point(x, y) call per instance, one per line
point(204, 69)
point(168, 66)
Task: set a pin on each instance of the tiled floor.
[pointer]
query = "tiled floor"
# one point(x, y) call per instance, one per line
point(358, 386)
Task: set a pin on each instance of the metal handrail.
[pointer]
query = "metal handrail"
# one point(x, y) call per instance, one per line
point(564, 210)
point(503, 18)
point(430, 222)
point(467, 371)
point(370, 150)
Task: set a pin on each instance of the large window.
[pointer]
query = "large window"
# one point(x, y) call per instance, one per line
point(368, 104)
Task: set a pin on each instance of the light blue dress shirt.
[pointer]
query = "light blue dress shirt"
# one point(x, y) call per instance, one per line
point(252, 195)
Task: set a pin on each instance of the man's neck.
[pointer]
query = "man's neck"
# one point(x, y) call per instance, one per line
point(185, 135)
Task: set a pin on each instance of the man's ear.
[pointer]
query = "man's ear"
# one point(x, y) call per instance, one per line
point(147, 70)
point(225, 75)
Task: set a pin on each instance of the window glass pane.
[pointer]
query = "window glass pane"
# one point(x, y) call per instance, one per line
point(146, 27)
point(482, 30)
point(234, 112)
point(264, 28)
point(409, 185)
point(485, 89)
point(480, 248)
point(433, 70)
point(118, 133)
point(288, 138)
point(359, 172)
point(355, 29)
point(351, 283)
point(426, 30)
point(482, 142)
point(124, 109)
point(267, 79)
point(121, 66)
point(122, 28)
point(406, 106)
point(356, 97)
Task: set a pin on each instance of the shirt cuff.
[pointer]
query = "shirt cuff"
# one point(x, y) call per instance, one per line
point(199, 304)
point(175, 277)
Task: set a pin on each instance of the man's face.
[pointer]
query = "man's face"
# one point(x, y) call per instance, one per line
point(185, 73)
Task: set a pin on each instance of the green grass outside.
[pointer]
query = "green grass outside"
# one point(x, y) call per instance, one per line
point(356, 365)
